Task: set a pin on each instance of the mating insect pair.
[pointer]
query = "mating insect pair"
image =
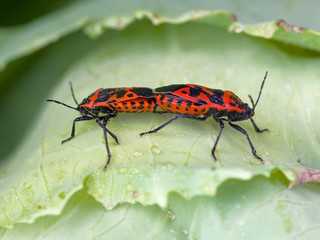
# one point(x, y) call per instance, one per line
point(185, 100)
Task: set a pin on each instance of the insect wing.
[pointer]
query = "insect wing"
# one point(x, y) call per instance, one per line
point(196, 94)
point(181, 91)
point(109, 96)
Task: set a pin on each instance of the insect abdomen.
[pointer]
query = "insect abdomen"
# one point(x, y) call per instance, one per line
point(135, 106)
point(176, 104)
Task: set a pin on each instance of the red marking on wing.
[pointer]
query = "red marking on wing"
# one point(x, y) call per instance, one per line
point(205, 89)
point(115, 99)
point(228, 100)
point(201, 96)
point(114, 96)
point(93, 98)
point(101, 104)
point(186, 95)
point(209, 103)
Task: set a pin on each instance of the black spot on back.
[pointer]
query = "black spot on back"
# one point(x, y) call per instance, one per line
point(194, 92)
point(197, 104)
point(217, 97)
point(162, 97)
point(143, 92)
point(233, 104)
point(170, 100)
point(188, 103)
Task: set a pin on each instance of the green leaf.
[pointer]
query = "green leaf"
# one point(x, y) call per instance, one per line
point(283, 32)
point(96, 16)
point(146, 169)
point(240, 209)
point(41, 175)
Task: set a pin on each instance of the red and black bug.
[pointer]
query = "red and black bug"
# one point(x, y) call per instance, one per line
point(198, 102)
point(104, 104)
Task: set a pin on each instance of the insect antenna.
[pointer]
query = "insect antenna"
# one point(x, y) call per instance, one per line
point(252, 102)
point(55, 101)
point(66, 105)
point(262, 84)
point(74, 98)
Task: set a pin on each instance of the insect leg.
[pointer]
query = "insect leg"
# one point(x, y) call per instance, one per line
point(160, 112)
point(160, 127)
point(193, 117)
point(217, 140)
point(105, 130)
point(173, 119)
point(83, 118)
point(257, 128)
point(105, 120)
point(254, 152)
